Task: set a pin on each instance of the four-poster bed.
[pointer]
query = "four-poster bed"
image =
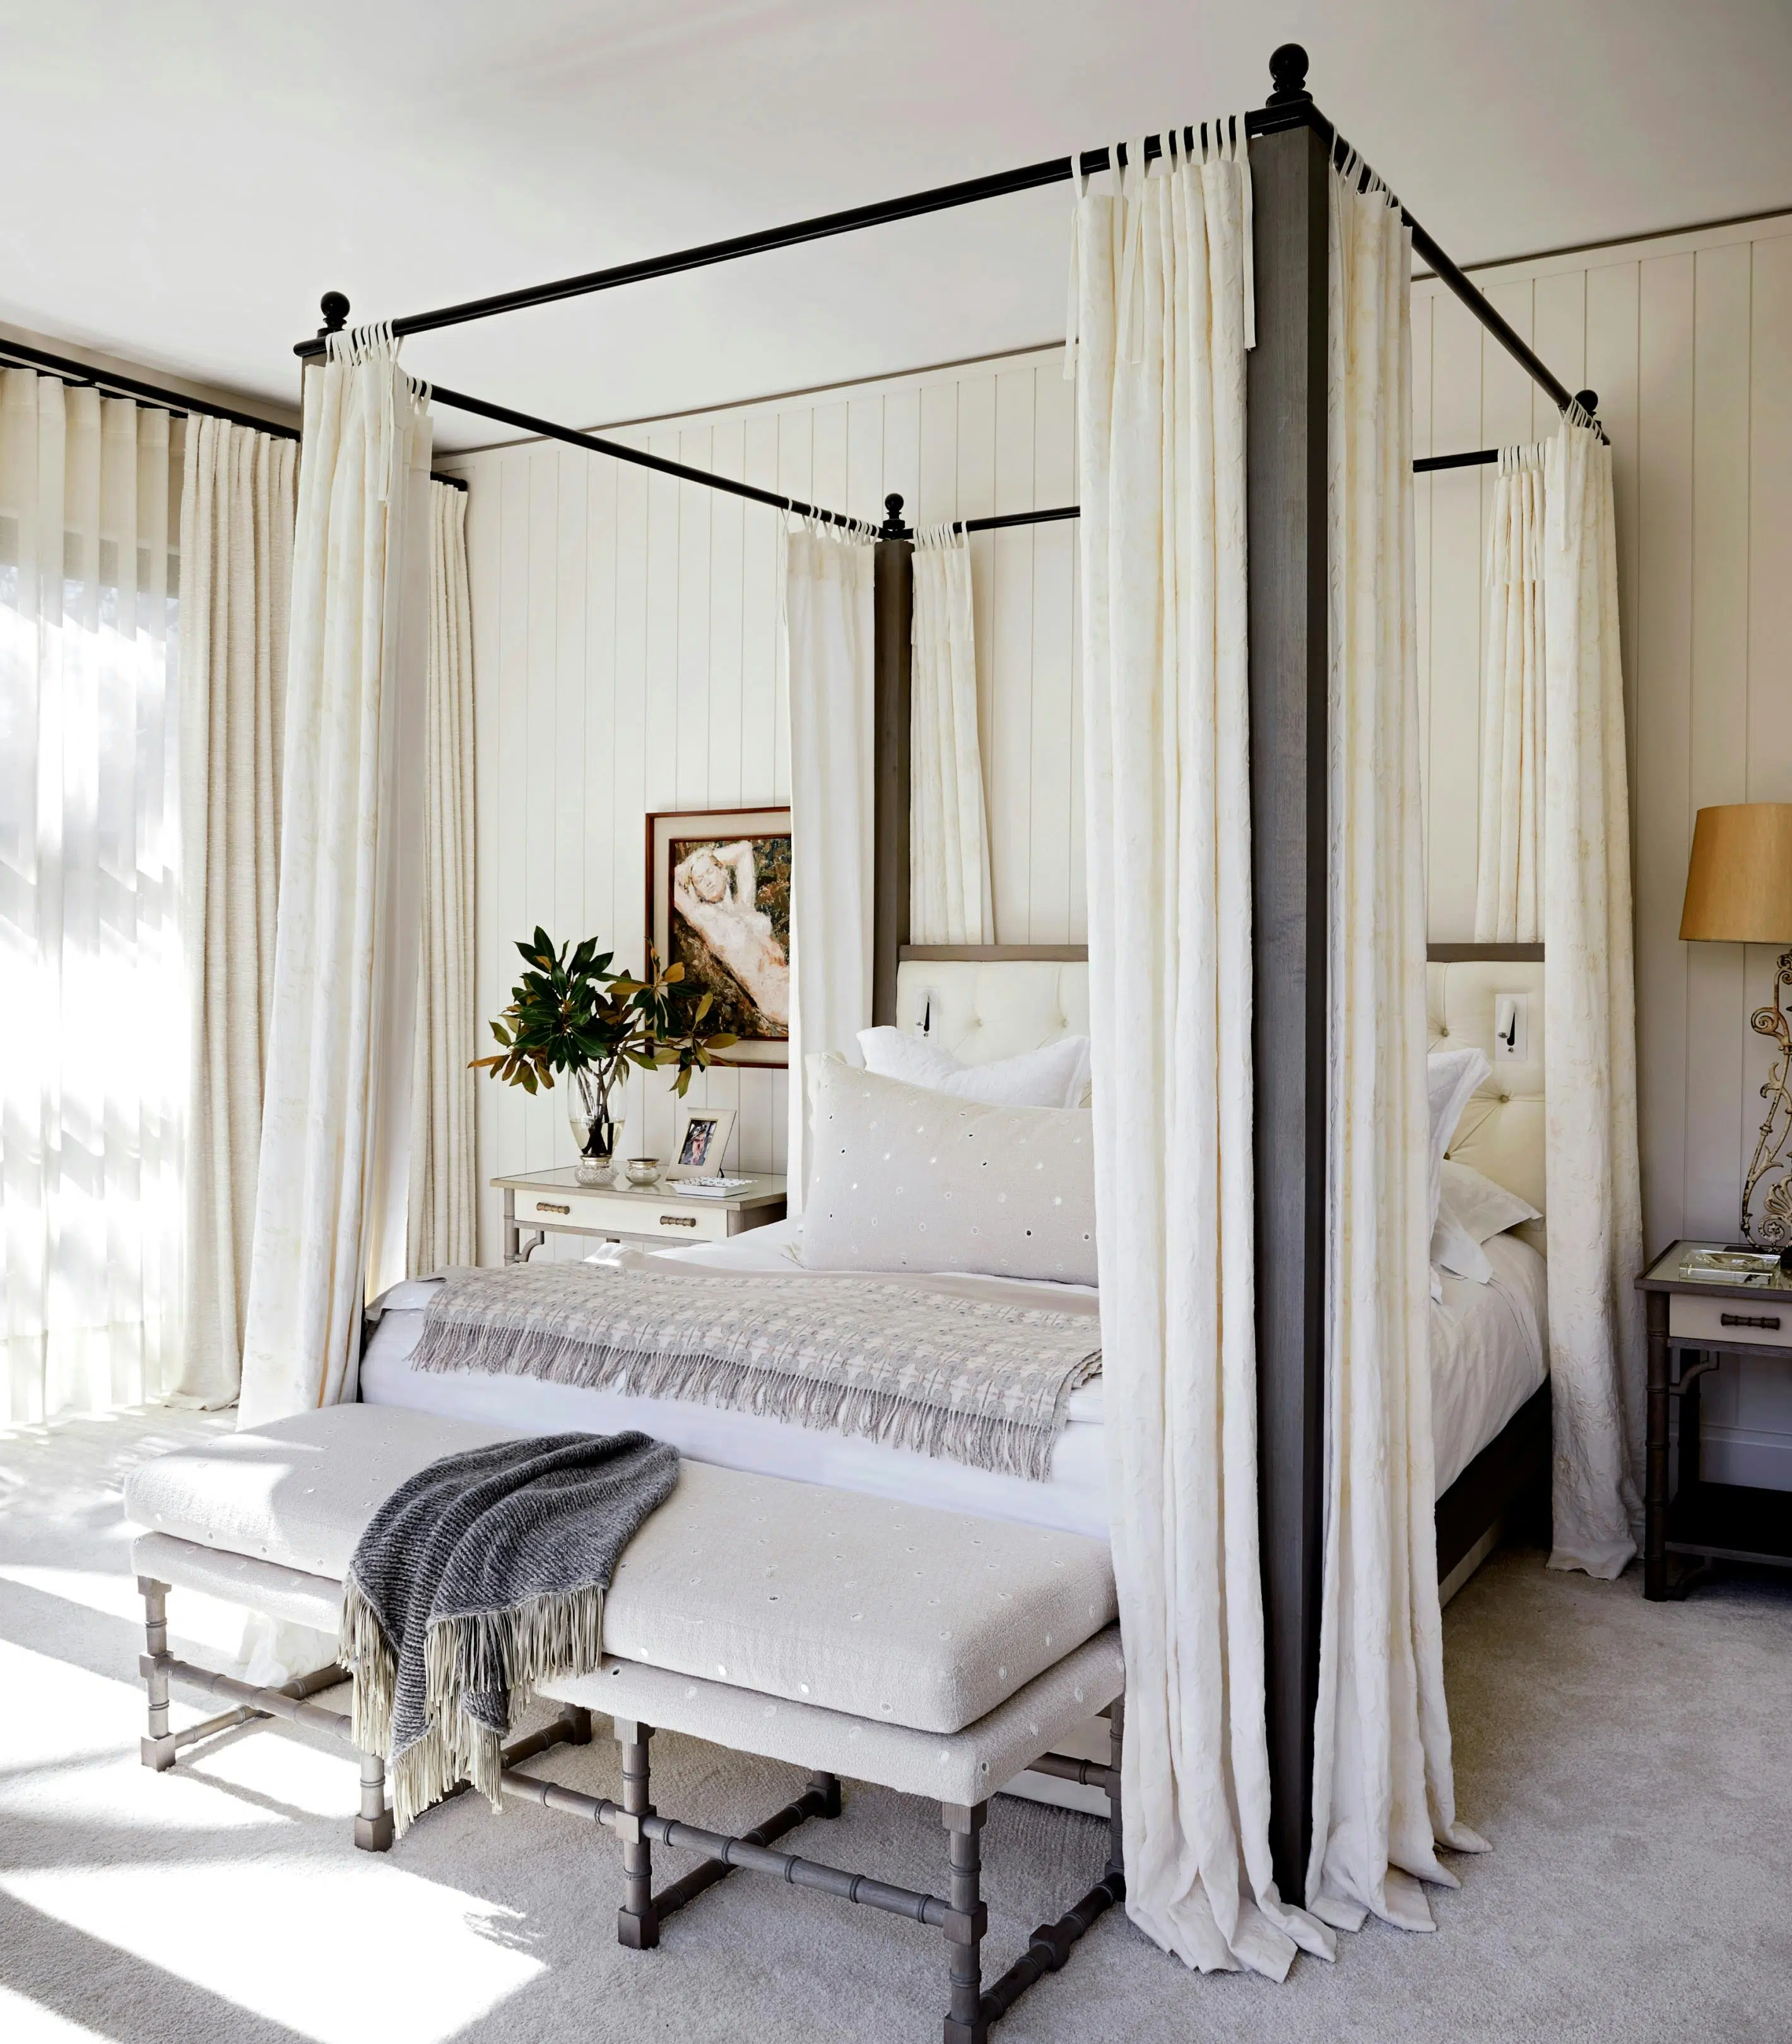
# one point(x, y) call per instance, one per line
point(1293, 151)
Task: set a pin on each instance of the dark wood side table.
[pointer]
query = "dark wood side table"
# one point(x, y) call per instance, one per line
point(1692, 1324)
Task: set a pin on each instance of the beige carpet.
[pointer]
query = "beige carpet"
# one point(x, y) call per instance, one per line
point(1632, 1763)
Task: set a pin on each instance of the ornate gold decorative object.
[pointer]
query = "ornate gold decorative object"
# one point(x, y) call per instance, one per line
point(1774, 1230)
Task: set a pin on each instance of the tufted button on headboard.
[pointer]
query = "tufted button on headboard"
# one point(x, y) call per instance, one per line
point(988, 1008)
point(1500, 1134)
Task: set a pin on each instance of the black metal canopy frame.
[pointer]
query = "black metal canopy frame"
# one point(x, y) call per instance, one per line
point(1295, 150)
point(1289, 105)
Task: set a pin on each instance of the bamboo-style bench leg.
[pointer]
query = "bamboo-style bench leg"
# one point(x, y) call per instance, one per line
point(637, 1921)
point(373, 1826)
point(965, 1925)
point(158, 1749)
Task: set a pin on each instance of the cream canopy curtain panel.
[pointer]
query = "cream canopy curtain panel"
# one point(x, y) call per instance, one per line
point(828, 586)
point(442, 1215)
point(237, 509)
point(1161, 307)
point(950, 899)
point(1596, 1348)
point(334, 1168)
point(1509, 873)
point(91, 1059)
point(1383, 1795)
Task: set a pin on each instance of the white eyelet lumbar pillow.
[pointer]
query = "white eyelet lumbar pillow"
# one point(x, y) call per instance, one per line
point(1055, 1075)
point(908, 1179)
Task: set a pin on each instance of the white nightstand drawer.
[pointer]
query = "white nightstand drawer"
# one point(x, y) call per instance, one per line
point(1767, 1321)
point(672, 1220)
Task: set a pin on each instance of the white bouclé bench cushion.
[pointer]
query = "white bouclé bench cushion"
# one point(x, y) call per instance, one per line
point(899, 1613)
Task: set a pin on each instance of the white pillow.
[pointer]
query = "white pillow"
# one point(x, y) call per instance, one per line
point(1479, 1205)
point(904, 1178)
point(1055, 1075)
point(1450, 1078)
point(1454, 1248)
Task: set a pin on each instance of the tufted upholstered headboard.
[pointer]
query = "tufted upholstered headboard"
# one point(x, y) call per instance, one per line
point(1501, 1132)
point(987, 1008)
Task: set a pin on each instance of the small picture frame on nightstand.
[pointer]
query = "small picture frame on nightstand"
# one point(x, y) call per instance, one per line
point(703, 1134)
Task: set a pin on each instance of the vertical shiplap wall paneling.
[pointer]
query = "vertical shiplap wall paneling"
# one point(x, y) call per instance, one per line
point(627, 658)
point(1688, 341)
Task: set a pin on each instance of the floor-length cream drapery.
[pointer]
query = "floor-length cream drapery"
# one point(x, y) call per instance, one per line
point(827, 617)
point(1596, 1350)
point(1161, 306)
point(237, 511)
point(950, 900)
point(1383, 1791)
point(1509, 866)
point(91, 1064)
point(333, 1172)
point(442, 1212)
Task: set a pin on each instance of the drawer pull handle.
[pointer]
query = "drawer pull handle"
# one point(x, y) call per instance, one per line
point(1750, 1320)
point(690, 1220)
point(548, 1206)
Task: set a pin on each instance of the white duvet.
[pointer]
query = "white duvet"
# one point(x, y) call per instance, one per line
point(1487, 1359)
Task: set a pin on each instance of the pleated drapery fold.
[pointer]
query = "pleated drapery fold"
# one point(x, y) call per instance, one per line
point(1160, 324)
point(236, 547)
point(334, 1165)
point(1509, 864)
point(950, 899)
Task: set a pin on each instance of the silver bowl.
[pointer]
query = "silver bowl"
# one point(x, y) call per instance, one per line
point(643, 1170)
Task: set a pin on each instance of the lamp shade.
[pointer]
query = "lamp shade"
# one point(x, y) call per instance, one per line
point(1739, 883)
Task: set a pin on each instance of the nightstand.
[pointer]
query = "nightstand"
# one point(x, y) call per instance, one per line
point(544, 1203)
point(1691, 1325)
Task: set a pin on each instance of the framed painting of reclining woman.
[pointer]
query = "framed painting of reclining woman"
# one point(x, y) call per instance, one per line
point(718, 884)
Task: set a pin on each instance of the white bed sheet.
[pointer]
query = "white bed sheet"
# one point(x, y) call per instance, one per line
point(1487, 1359)
point(1486, 1353)
point(1073, 1498)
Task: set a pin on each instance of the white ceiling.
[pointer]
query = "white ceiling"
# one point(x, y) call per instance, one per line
point(187, 178)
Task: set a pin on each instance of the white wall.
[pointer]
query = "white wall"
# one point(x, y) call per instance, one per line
point(626, 660)
point(1688, 341)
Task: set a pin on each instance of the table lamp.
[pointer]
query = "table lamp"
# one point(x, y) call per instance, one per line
point(1739, 891)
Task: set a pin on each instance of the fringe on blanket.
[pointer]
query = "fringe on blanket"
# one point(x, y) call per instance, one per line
point(495, 1652)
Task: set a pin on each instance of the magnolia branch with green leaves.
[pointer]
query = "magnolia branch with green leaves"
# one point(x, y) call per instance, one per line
point(572, 1013)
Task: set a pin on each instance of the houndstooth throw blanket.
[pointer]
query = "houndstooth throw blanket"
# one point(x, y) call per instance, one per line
point(479, 1576)
point(978, 1381)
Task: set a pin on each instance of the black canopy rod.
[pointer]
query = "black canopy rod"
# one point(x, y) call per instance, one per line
point(1290, 105)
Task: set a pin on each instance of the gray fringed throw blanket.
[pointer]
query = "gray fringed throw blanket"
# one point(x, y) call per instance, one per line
point(480, 1575)
point(980, 1380)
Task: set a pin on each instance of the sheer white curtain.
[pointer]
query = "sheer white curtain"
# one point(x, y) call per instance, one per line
point(92, 1066)
point(236, 549)
point(443, 1208)
point(1596, 1347)
point(1160, 321)
point(1383, 1793)
point(334, 1165)
point(950, 900)
point(829, 585)
point(1509, 875)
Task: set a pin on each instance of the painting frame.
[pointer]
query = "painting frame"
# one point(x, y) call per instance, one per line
point(669, 828)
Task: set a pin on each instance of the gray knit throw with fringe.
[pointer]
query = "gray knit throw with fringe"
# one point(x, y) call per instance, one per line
point(978, 1381)
point(479, 1576)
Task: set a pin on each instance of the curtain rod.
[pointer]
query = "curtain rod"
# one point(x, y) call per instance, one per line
point(84, 376)
point(616, 451)
point(176, 401)
point(1289, 105)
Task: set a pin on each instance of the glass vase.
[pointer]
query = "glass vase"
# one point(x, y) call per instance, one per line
point(594, 1131)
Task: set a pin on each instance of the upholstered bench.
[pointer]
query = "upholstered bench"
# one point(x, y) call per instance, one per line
point(927, 1651)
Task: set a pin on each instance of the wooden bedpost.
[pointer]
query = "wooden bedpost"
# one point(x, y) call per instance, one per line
point(895, 600)
point(1287, 444)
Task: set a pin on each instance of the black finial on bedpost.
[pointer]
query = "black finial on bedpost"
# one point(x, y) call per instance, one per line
point(893, 527)
point(1287, 72)
point(1589, 402)
point(334, 306)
